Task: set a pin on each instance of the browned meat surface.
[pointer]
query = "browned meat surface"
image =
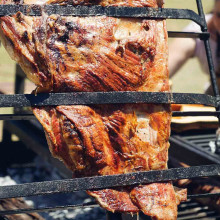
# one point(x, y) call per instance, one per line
point(88, 54)
point(65, 54)
point(150, 198)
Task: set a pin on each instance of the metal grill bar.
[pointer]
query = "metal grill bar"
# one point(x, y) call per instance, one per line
point(209, 57)
point(88, 98)
point(206, 195)
point(48, 209)
point(195, 114)
point(103, 98)
point(179, 34)
point(211, 68)
point(8, 117)
point(100, 182)
point(180, 148)
point(131, 12)
point(84, 205)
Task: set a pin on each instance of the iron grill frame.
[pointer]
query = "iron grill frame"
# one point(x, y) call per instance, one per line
point(19, 100)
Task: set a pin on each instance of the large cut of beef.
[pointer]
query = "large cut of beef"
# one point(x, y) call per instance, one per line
point(87, 54)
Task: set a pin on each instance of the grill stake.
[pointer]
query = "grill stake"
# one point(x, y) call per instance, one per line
point(127, 12)
point(174, 114)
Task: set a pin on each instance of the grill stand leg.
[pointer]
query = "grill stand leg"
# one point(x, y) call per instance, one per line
point(6, 135)
point(19, 88)
point(19, 84)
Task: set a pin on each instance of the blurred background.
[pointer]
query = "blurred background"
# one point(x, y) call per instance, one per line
point(191, 71)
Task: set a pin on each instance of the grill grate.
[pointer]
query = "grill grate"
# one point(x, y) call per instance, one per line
point(100, 182)
point(117, 97)
point(202, 141)
point(196, 145)
point(191, 210)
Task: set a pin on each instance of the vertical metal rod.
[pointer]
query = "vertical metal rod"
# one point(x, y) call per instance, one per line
point(19, 80)
point(6, 135)
point(208, 53)
point(19, 83)
point(211, 69)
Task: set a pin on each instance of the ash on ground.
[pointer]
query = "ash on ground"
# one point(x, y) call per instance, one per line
point(42, 171)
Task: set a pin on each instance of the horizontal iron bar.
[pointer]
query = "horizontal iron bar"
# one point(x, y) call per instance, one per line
point(206, 195)
point(134, 12)
point(181, 148)
point(48, 209)
point(100, 182)
point(16, 116)
point(84, 205)
point(89, 98)
point(8, 117)
point(180, 34)
point(198, 113)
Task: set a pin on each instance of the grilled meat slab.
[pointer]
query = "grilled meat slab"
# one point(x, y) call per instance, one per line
point(66, 54)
